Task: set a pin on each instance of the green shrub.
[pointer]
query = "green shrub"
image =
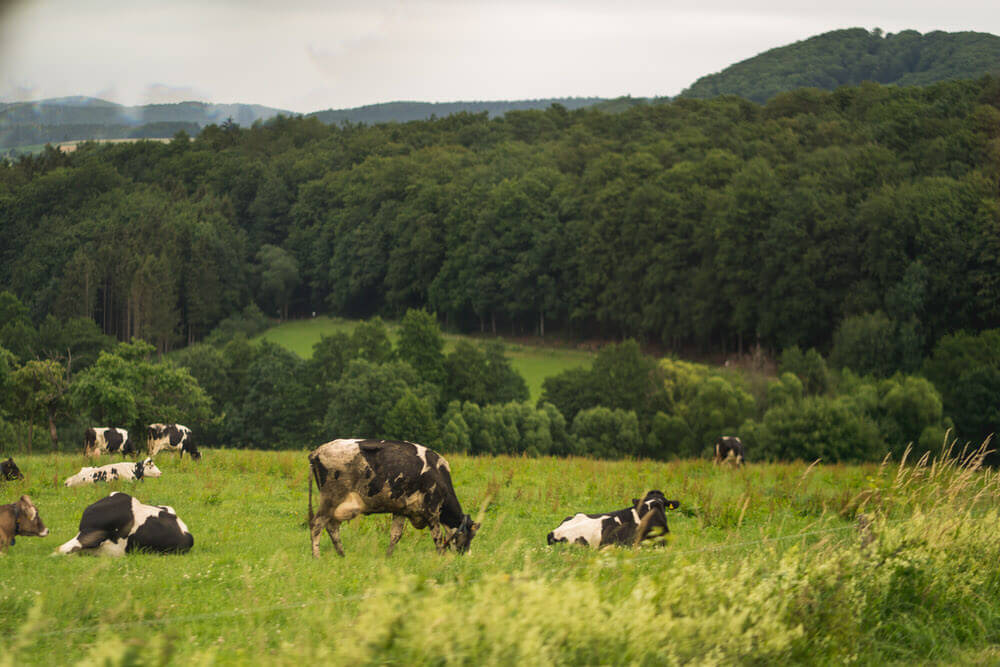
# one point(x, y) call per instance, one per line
point(607, 433)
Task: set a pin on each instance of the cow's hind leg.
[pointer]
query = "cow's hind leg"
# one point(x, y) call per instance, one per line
point(395, 532)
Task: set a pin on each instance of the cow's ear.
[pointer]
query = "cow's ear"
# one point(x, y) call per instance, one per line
point(673, 504)
point(635, 501)
point(475, 527)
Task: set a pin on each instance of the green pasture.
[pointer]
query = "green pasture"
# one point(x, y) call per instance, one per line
point(533, 362)
point(768, 564)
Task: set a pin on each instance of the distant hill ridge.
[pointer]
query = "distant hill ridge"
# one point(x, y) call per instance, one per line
point(852, 56)
point(402, 112)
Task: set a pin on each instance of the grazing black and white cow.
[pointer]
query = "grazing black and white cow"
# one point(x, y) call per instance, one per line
point(106, 440)
point(407, 480)
point(120, 524)
point(726, 446)
point(115, 471)
point(9, 470)
point(645, 520)
point(20, 518)
point(174, 437)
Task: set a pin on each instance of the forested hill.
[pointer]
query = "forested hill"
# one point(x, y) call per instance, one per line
point(401, 112)
point(710, 223)
point(849, 57)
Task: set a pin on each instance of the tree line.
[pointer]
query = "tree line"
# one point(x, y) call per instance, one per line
point(235, 393)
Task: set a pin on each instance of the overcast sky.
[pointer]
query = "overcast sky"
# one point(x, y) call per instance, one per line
point(308, 55)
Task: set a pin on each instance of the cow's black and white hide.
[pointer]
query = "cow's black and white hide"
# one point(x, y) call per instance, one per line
point(645, 520)
point(9, 471)
point(121, 524)
point(115, 471)
point(404, 479)
point(171, 437)
point(727, 446)
point(107, 440)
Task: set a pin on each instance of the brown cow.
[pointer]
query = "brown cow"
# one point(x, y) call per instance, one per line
point(20, 518)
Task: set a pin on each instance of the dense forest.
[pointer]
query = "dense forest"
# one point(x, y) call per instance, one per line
point(693, 224)
point(862, 226)
point(849, 57)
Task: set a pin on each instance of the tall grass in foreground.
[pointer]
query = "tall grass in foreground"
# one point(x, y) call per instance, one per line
point(773, 563)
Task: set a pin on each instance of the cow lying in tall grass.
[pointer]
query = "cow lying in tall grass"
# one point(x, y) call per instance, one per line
point(645, 520)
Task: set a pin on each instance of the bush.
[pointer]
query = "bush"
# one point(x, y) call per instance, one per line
point(814, 428)
point(606, 433)
point(864, 343)
point(809, 367)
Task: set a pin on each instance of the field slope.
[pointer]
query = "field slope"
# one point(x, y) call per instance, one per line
point(533, 362)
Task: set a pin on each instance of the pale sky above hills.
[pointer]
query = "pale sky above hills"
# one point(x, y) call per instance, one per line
point(308, 55)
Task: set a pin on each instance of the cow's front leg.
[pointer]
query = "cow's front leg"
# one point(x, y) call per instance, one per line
point(333, 530)
point(315, 530)
point(395, 532)
point(439, 540)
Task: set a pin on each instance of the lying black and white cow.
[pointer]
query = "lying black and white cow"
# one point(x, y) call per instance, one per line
point(726, 446)
point(115, 471)
point(9, 471)
point(120, 524)
point(404, 479)
point(106, 440)
point(174, 437)
point(20, 518)
point(645, 520)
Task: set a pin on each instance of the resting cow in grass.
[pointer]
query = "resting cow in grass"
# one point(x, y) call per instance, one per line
point(120, 524)
point(171, 437)
point(106, 440)
point(9, 471)
point(20, 518)
point(729, 446)
point(404, 479)
point(645, 520)
point(115, 471)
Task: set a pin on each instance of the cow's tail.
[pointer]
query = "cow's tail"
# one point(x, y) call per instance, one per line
point(312, 473)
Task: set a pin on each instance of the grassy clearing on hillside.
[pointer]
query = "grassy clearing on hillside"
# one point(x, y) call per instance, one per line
point(764, 564)
point(534, 363)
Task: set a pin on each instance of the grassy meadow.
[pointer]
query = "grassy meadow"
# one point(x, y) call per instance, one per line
point(771, 563)
point(533, 362)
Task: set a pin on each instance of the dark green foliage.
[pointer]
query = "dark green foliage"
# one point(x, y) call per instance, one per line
point(367, 394)
point(124, 387)
point(421, 346)
point(849, 57)
point(693, 224)
point(370, 341)
point(809, 367)
point(865, 344)
point(482, 376)
point(509, 428)
point(607, 433)
point(815, 428)
point(622, 377)
point(965, 367)
point(272, 409)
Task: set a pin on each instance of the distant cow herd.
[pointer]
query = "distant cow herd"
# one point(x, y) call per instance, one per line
point(353, 476)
